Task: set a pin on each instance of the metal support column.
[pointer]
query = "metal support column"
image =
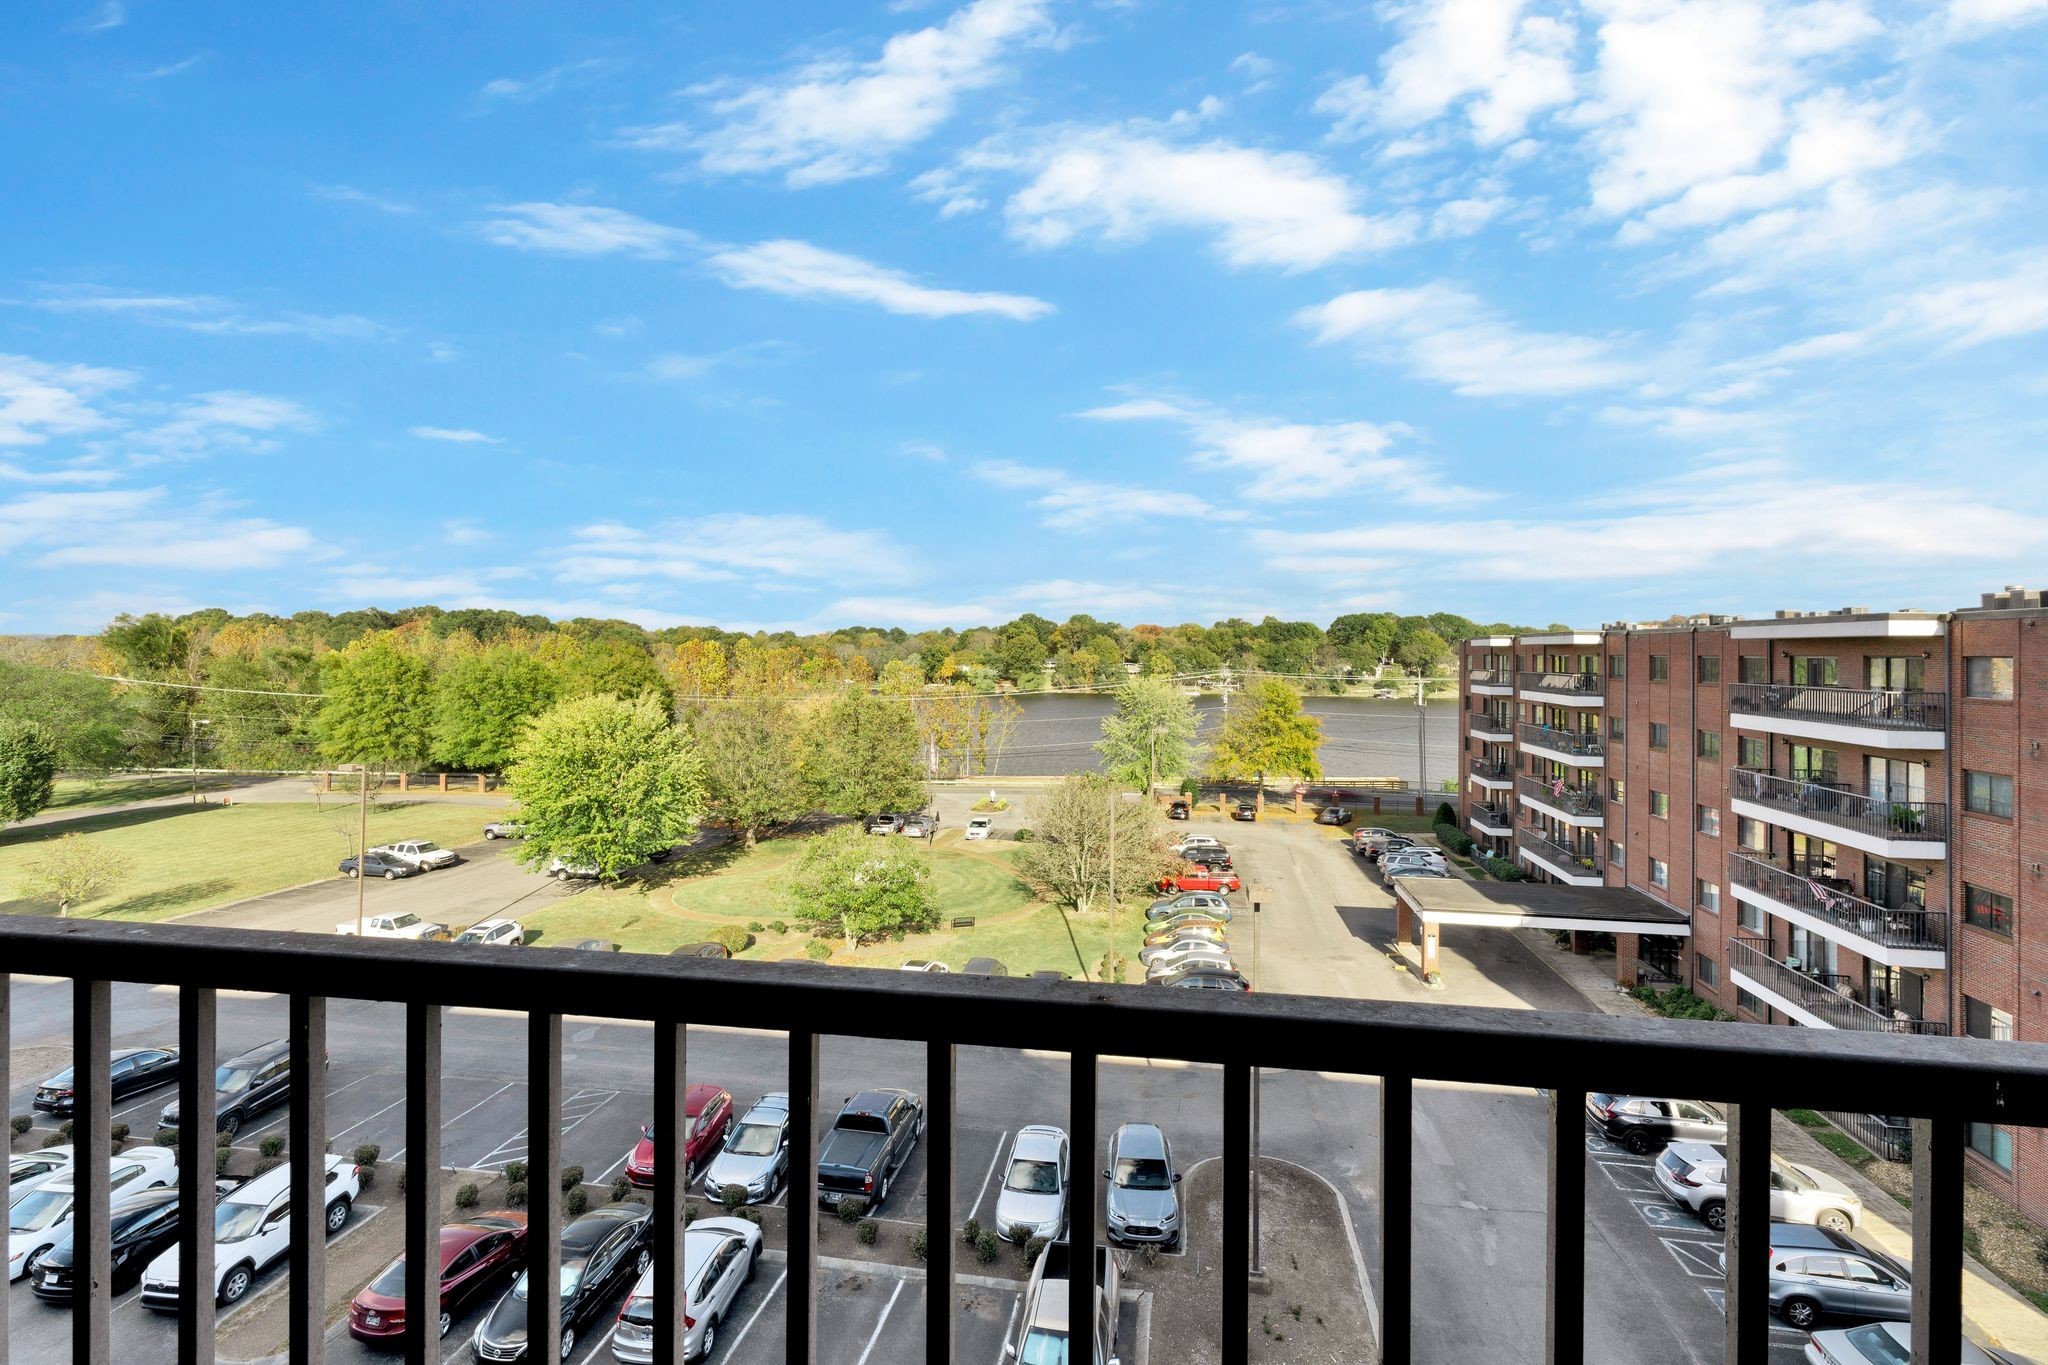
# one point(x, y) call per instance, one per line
point(306, 1151)
point(423, 1184)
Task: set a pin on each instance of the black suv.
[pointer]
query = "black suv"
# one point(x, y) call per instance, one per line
point(245, 1086)
point(1177, 811)
point(1210, 856)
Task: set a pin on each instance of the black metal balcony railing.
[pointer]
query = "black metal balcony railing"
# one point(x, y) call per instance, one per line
point(1836, 803)
point(1578, 684)
point(1492, 724)
point(1578, 743)
point(1825, 995)
point(1492, 677)
point(1563, 796)
point(1906, 926)
point(1493, 770)
point(1944, 1083)
point(1493, 817)
point(1577, 860)
point(1876, 707)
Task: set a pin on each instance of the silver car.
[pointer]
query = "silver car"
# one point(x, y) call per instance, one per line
point(1144, 1198)
point(1807, 1285)
point(1885, 1343)
point(1033, 1202)
point(718, 1258)
point(1695, 1174)
point(755, 1156)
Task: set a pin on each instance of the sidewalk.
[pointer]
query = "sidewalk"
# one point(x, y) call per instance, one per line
point(1993, 1312)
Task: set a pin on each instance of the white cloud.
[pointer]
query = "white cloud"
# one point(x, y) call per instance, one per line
point(132, 528)
point(1256, 71)
point(85, 474)
point(458, 435)
point(349, 194)
point(730, 545)
point(463, 531)
point(1463, 217)
point(1058, 597)
point(1067, 502)
point(38, 518)
point(39, 400)
point(841, 119)
point(1974, 14)
point(533, 87)
point(1972, 312)
point(204, 313)
point(582, 230)
point(801, 270)
point(108, 14)
point(924, 450)
point(1444, 334)
point(211, 423)
point(1504, 64)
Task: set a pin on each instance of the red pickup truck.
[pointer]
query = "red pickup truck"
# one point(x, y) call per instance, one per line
point(1195, 878)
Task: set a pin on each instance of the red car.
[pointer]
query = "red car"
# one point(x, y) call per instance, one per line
point(477, 1257)
point(708, 1110)
point(1200, 879)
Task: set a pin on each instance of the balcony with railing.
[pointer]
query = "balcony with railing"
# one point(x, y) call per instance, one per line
point(1573, 748)
point(1491, 682)
point(1581, 866)
point(1871, 717)
point(1492, 821)
point(1825, 807)
point(1492, 773)
point(1581, 807)
point(1816, 999)
point(1562, 689)
point(1494, 729)
point(1942, 1083)
point(1897, 936)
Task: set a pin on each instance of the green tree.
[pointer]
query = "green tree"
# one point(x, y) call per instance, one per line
point(80, 714)
point(862, 756)
point(608, 663)
point(1364, 640)
point(482, 701)
point(1020, 654)
point(606, 783)
point(1267, 734)
point(1422, 650)
point(1069, 853)
point(28, 769)
point(753, 764)
point(1150, 735)
point(71, 871)
point(376, 705)
point(864, 887)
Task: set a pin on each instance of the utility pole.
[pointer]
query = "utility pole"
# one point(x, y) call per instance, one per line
point(1109, 934)
point(1257, 1269)
point(192, 724)
point(1421, 738)
point(362, 841)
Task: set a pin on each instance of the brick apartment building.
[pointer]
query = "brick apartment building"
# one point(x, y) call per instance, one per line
point(1851, 805)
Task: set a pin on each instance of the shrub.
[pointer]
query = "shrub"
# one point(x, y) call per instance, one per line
point(64, 1130)
point(577, 1203)
point(401, 1182)
point(689, 1214)
point(220, 1159)
point(466, 1196)
point(515, 1194)
point(167, 1137)
point(778, 926)
point(366, 1176)
point(119, 1132)
point(21, 1123)
point(1032, 1247)
point(621, 1187)
point(1447, 814)
point(868, 1231)
point(732, 938)
point(367, 1154)
point(732, 1196)
point(223, 1138)
point(271, 1146)
point(756, 927)
point(852, 1209)
point(970, 1231)
point(817, 950)
point(515, 1171)
point(269, 1163)
point(986, 1247)
point(1023, 835)
point(1679, 1003)
point(1504, 870)
point(751, 1215)
point(54, 1140)
point(918, 1247)
point(1453, 838)
point(571, 1175)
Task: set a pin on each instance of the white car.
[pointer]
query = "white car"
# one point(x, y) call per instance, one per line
point(920, 964)
point(405, 925)
point(1884, 1343)
point(1033, 1201)
point(1695, 1174)
point(504, 933)
point(37, 1220)
point(562, 870)
point(1188, 841)
point(420, 853)
point(252, 1230)
point(505, 829)
point(30, 1170)
point(979, 826)
point(719, 1255)
point(1161, 960)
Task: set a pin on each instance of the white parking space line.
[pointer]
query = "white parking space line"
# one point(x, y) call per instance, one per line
point(755, 1316)
point(1697, 1259)
point(578, 1107)
point(982, 1191)
point(1661, 1213)
point(479, 1104)
point(590, 1352)
point(371, 1119)
point(1010, 1328)
point(880, 1322)
point(1629, 1179)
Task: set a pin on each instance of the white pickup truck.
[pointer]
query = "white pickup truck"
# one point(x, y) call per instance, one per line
point(421, 853)
point(406, 925)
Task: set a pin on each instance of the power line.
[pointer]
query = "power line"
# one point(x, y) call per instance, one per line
point(198, 687)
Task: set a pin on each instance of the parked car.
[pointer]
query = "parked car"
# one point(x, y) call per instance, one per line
point(917, 826)
point(1333, 815)
point(1163, 914)
point(140, 1226)
point(1143, 1207)
point(477, 1255)
point(983, 966)
point(501, 933)
point(705, 949)
point(252, 1230)
point(719, 1256)
point(1040, 1336)
point(883, 824)
point(1183, 929)
point(1033, 1199)
point(1215, 859)
point(1695, 1175)
point(707, 1113)
point(1418, 853)
point(245, 1085)
point(1375, 850)
point(422, 853)
point(1808, 1285)
point(31, 1170)
point(563, 871)
point(1643, 1124)
point(1188, 841)
point(978, 826)
point(1045, 974)
point(1193, 878)
point(1886, 1343)
point(406, 925)
point(1178, 810)
point(1244, 810)
point(755, 1154)
point(1210, 981)
point(505, 829)
point(1188, 900)
point(867, 1146)
point(1202, 970)
point(591, 945)
point(38, 1219)
point(379, 865)
point(923, 964)
point(1170, 960)
point(130, 1070)
point(602, 1252)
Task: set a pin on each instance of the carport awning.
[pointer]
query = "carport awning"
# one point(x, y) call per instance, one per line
point(1540, 905)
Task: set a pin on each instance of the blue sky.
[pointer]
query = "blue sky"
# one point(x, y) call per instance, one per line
point(932, 313)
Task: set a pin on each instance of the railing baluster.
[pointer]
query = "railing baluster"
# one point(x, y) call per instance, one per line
point(198, 1054)
point(1937, 1241)
point(1237, 1213)
point(306, 1139)
point(1746, 1321)
point(800, 1323)
point(1564, 1304)
point(543, 1184)
point(91, 1120)
point(671, 1184)
point(941, 1068)
point(423, 1184)
point(1081, 1294)
point(1397, 1215)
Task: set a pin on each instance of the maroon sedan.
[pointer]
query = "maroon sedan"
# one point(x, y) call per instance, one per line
point(708, 1113)
point(477, 1257)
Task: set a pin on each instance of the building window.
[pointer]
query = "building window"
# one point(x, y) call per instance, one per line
point(1987, 794)
point(1750, 917)
point(1753, 668)
point(1707, 743)
point(1987, 910)
point(1987, 675)
point(1707, 820)
point(1752, 834)
point(1985, 1021)
point(1660, 805)
point(1752, 751)
point(1704, 968)
point(1706, 895)
point(1660, 874)
point(1745, 1001)
point(1614, 729)
point(1617, 855)
point(1617, 666)
point(1617, 790)
point(1816, 671)
point(1993, 1143)
point(1660, 735)
point(1708, 668)
point(1660, 668)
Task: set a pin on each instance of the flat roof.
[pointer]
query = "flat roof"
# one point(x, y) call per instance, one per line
point(1565, 637)
point(1540, 905)
point(1489, 641)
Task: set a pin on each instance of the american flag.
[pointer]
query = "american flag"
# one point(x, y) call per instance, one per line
point(1557, 786)
point(1820, 894)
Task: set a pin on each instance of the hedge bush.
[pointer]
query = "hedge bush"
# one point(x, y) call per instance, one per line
point(577, 1203)
point(732, 938)
point(367, 1154)
point(1679, 1003)
point(868, 1230)
point(571, 1175)
point(515, 1194)
point(986, 1247)
point(1446, 814)
point(621, 1187)
point(817, 950)
point(54, 1140)
point(21, 1123)
point(119, 1132)
point(1023, 836)
point(970, 1231)
point(852, 1209)
point(515, 1171)
point(220, 1159)
point(778, 926)
point(166, 1137)
point(756, 927)
point(1504, 870)
point(918, 1248)
point(1453, 838)
point(467, 1196)
point(272, 1145)
point(267, 1164)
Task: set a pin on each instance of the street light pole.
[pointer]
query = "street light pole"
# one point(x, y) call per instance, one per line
point(1421, 741)
point(1257, 1268)
point(362, 841)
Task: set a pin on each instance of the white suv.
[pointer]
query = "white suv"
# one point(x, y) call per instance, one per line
point(1695, 1174)
point(424, 853)
point(39, 1219)
point(252, 1229)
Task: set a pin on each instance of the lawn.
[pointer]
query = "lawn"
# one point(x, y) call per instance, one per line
point(192, 857)
point(77, 794)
